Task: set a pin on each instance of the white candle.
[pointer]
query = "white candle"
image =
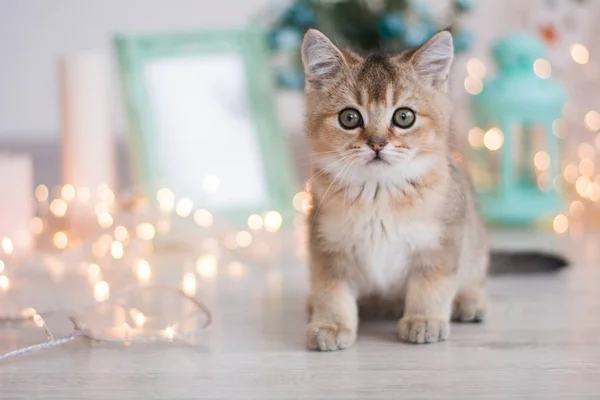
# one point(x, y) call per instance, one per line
point(17, 202)
point(88, 148)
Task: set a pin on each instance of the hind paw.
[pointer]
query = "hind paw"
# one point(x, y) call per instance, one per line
point(469, 308)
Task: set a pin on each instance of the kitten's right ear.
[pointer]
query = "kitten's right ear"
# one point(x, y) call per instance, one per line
point(322, 60)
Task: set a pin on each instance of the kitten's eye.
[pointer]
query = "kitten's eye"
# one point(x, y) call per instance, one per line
point(350, 118)
point(404, 118)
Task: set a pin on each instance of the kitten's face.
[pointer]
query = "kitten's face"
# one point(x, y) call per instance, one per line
point(376, 117)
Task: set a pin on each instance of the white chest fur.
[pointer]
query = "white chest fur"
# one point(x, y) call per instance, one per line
point(380, 244)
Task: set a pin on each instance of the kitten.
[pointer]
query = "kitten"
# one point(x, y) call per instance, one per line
point(394, 229)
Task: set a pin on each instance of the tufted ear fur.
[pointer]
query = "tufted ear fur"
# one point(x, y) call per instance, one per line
point(322, 60)
point(432, 60)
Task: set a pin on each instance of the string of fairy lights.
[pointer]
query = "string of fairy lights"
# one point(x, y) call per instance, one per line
point(580, 173)
point(129, 334)
point(104, 233)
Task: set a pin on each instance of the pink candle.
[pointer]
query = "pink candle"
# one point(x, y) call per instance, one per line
point(17, 203)
point(88, 153)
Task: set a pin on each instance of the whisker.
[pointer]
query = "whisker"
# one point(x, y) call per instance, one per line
point(324, 169)
point(317, 154)
point(327, 191)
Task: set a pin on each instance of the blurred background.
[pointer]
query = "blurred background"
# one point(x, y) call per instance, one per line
point(524, 85)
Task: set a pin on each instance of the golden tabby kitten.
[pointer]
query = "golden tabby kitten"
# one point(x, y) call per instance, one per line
point(393, 228)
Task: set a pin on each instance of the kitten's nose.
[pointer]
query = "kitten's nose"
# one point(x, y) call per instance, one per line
point(376, 144)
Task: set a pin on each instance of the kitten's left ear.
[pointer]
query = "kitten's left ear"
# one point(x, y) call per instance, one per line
point(432, 60)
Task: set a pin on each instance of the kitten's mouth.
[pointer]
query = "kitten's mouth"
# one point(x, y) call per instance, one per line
point(377, 159)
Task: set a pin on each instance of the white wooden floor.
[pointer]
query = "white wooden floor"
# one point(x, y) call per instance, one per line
point(542, 340)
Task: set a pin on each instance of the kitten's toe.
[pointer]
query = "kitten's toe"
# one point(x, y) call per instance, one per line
point(423, 329)
point(328, 336)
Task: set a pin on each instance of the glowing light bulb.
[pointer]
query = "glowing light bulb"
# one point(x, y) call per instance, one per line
point(473, 85)
point(169, 332)
point(105, 194)
point(7, 245)
point(84, 194)
point(105, 220)
point(476, 68)
point(580, 53)
point(58, 207)
point(576, 209)
point(587, 167)
point(101, 291)
point(493, 139)
point(586, 150)
point(561, 223)
point(243, 238)
point(121, 233)
point(100, 248)
point(41, 193)
point(145, 231)
point(184, 207)
point(559, 128)
point(116, 250)
point(36, 225)
point(475, 137)
point(68, 192)
point(541, 160)
point(542, 68)
point(189, 284)
point(592, 121)
point(255, 222)
point(60, 240)
point(593, 192)
point(143, 271)
point(203, 218)
point(302, 202)
point(571, 173)
point(273, 221)
point(4, 283)
point(211, 183)
point(138, 317)
point(28, 312)
point(166, 199)
point(206, 265)
point(38, 321)
point(581, 185)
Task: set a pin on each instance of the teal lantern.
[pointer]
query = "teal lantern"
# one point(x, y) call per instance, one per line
point(515, 158)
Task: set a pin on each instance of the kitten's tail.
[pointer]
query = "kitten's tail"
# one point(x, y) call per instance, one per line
point(525, 263)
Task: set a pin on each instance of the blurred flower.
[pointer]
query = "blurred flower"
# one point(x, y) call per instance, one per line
point(300, 14)
point(422, 10)
point(285, 39)
point(290, 78)
point(391, 25)
point(464, 5)
point(463, 40)
point(417, 35)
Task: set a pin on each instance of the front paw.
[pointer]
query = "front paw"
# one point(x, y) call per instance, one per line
point(328, 336)
point(423, 329)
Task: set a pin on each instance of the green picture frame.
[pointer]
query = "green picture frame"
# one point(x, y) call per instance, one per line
point(135, 52)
